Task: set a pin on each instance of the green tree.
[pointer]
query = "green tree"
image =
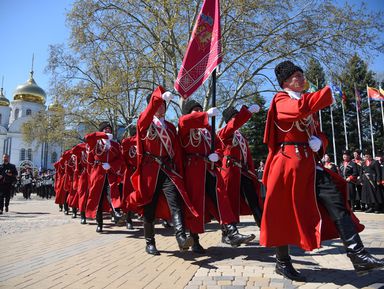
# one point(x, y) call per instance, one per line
point(254, 131)
point(314, 72)
point(357, 75)
point(119, 50)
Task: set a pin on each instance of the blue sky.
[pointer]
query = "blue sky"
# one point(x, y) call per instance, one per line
point(29, 26)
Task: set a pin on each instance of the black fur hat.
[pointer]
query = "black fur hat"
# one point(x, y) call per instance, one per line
point(284, 70)
point(189, 105)
point(132, 129)
point(346, 152)
point(103, 125)
point(358, 151)
point(229, 112)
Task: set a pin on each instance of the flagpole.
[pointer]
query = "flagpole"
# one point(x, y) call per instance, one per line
point(320, 118)
point(382, 113)
point(343, 101)
point(333, 137)
point(358, 118)
point(370, 121)
point(213, 119)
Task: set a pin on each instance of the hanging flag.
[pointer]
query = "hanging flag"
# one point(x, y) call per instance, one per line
point(204, 50)
point(381, 91)
point(312, 87)
point(374, 94)
point(336, 91)
point(344, 98)
point(358, 99)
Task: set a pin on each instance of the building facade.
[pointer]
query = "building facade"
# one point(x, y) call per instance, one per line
point(28, 99)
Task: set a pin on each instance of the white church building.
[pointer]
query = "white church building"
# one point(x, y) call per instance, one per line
point(28, 99)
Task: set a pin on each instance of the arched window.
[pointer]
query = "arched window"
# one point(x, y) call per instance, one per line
point(22, 155)
point(29, 154)
point(28, 112)
point(53, 157)
point(17, 113)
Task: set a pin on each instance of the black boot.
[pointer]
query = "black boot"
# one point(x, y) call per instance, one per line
point(196, 247)
point(284, 265)
point(166, 224)
point(60, 208)
point(66, 209)
point(182, 239)
point(362, 261)
point(115, 215)
point(83, 219)
point(149, 235)
point(231, 236)
point(99, 221)
point(74, 213)
point(128, 221)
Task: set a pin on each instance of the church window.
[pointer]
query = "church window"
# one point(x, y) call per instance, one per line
point(28, 112)
point(22, 155)
point(17, 113)
point(29, 154)
point(54, 157)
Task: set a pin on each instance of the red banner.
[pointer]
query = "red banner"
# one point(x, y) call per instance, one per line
point(204, 50)
point(374, 94)
point(358, 99)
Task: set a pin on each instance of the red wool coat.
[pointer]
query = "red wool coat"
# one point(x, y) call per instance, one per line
point(128, 150)
point(61, 178)
point(97, 175)
point(232, 173)
point(145, 177)
point(71, 181)
point(292, 214)
point(196, 149)
point(80, 184)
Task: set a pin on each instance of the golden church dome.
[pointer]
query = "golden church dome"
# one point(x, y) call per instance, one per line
point(3, 100)
point(55, 106)
point(30, 91)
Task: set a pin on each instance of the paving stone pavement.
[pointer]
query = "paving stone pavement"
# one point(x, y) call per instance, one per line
point(43, 248)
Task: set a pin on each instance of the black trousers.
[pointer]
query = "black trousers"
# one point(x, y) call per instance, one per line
point(105, 193)
point(248, 192)
point(329, 196)
point(165, 185)
point(210, 187)
point(5, 196)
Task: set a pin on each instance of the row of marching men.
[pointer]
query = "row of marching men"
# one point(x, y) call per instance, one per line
point(167, 173)
point(365, 179)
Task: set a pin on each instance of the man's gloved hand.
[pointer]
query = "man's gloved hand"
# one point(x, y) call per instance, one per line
point(167, 96)
point(314, 143)
point(106, 166)
point(213, 157)
point(254, 108)
point(213, 111)
point(109, 135)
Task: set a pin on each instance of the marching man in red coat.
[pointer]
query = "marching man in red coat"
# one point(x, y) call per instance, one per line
point(104, 165)
point(238, 172)
point(60, 181)
point(305, 203)
point(81, 178)
point(158, 180)
point(128, 150)
point(203, 182)
point(71, 184)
